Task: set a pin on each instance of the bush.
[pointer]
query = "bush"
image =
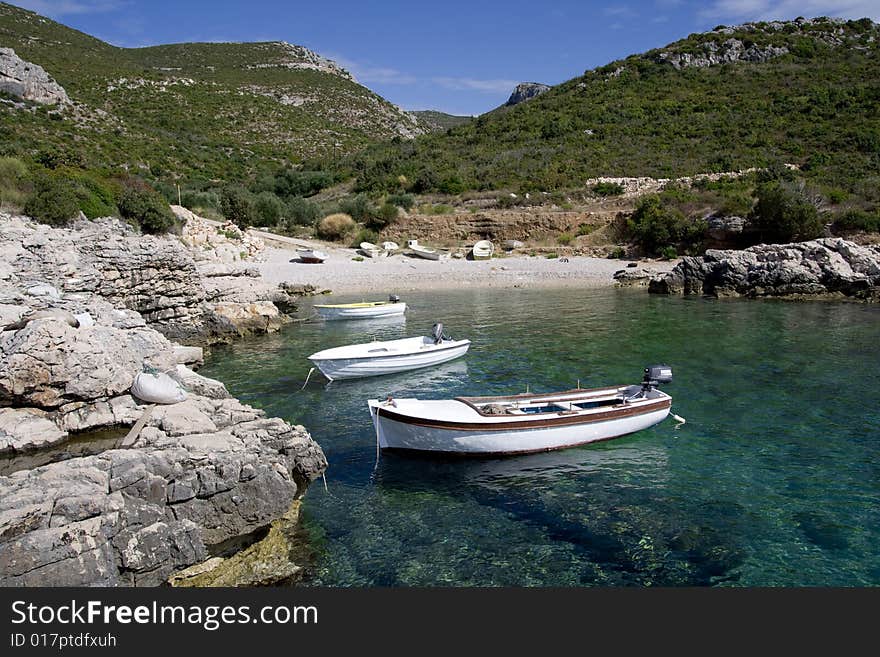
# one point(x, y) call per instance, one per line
point(14, 182)
point(365, 235)
point(238, 206)
point(359, 208)
point(405, 201)
point(290, 182)
point(564, 239)
point(386, 215)
point(53, 200)
point(783, 213)
point(336, 227)
point(668, 253)
point(141, 203)
point(268, 209)
point(608, 189)
point(94, 197)
point(200, 200)
point(301, 212)
point(858, 220)
point(619, 253)
point(654, 226)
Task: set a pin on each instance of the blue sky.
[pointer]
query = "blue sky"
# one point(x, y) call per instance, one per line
point(457, 57)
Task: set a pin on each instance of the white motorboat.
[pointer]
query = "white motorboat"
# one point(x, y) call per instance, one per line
point(311, 255)
point(482, 250)
point(363, 310)
point(390, 247)
point(523, 423)
point(376, 358)
point(372, 251)
point(423, 251)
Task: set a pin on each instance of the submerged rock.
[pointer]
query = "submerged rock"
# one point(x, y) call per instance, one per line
point(830, 267)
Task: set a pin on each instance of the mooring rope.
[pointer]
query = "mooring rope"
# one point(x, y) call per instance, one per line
point(679, 419)
point(307, 379)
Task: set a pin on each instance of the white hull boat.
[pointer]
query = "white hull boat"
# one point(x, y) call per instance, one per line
point(377, 358)
point(312, 256)
point(372, 251)
point(423, 251)
point(518, 424)
point(390, 247)
point(362, 310)
point(482, 250)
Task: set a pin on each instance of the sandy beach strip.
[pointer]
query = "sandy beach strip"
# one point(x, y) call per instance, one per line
point(397, 273)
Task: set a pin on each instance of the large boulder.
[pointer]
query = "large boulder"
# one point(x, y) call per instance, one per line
point(830, 267)
point(28, 81)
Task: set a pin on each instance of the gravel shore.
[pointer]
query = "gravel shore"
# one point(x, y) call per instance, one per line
point(400, 272)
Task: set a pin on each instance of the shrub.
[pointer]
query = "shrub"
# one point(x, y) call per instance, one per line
point(200, 200)
point(53, 200)
point(608, 189)
point(94, 197)
point(564, 239)
point(301, 212)
point(619, 253)
point(858, 220)
point(336, 227)
point(383, 217)
point(585, 229)
point(653, 226)
point(268, 209)
point(359, 207)
point(364, 235)
point(405, 201)
point(783, 213)
point(237, 205)
point(141, 203)
point(14, 182)
point(668, 253)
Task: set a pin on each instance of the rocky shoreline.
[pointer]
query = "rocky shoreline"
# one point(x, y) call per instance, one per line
point(830, 268)
point(84, 310)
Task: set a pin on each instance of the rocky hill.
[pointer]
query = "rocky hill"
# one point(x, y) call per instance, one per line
point(434, 121)
point(804, 92)
point(211, 110)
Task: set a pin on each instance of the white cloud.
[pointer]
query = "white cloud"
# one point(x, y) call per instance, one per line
point(619, 10)
point(373, 74)
point(764, 10)
point(471, 84)
point(56, 8)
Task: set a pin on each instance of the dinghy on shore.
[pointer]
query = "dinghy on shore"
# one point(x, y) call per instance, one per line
point(482, 250)
point(423, 251)
point(362, 310)
point(377, 358)
point(311, 256)
point(372, 251)
point(524, 423)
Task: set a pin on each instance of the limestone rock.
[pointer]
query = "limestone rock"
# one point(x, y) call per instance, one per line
point(29, 81)
point(825, 268)
point(23, 429)
point(526, 91)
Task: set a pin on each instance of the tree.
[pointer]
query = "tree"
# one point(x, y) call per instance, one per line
point(144, 205)
point(784, 213)
point(237, 205)
point(53, 200)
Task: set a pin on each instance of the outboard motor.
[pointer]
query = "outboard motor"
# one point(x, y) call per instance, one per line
point(437, 332)
point(655, 375)
point(394, 298)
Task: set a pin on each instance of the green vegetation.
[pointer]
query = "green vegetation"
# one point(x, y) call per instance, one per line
point(53, 200)
point(608, 189)
point(143, 205)
point(239, 206)
point(336, 227)
point(433, 121)
point(785, 213)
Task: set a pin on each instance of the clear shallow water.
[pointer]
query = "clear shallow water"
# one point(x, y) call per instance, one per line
point(773, 481)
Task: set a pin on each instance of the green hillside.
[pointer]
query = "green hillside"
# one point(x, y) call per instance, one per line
point(804, 92)
point(209, 111)
point(434, 121)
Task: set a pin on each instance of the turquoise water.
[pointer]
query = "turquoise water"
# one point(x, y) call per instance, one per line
point(773, 481)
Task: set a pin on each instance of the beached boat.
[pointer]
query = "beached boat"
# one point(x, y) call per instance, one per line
point(390, 247)
point(510, 245)
point(311, 255)
point(372, 251)
point(363, 310)
point(521, 423)
point(482, 250)
point(423, 251)
point(376, 358)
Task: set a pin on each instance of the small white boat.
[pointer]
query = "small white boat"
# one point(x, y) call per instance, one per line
point(373, 251)
point(482, 250)
point(311, 255)
point(423, 251)
point(523, 423)
point(362, 310)
point(376, 358)
point(510, 245)
point(390, 247)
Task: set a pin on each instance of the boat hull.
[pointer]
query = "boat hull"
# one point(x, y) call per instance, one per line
point(427, 255)
point(387, 310)
point(355, 368)
point(398, 432)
